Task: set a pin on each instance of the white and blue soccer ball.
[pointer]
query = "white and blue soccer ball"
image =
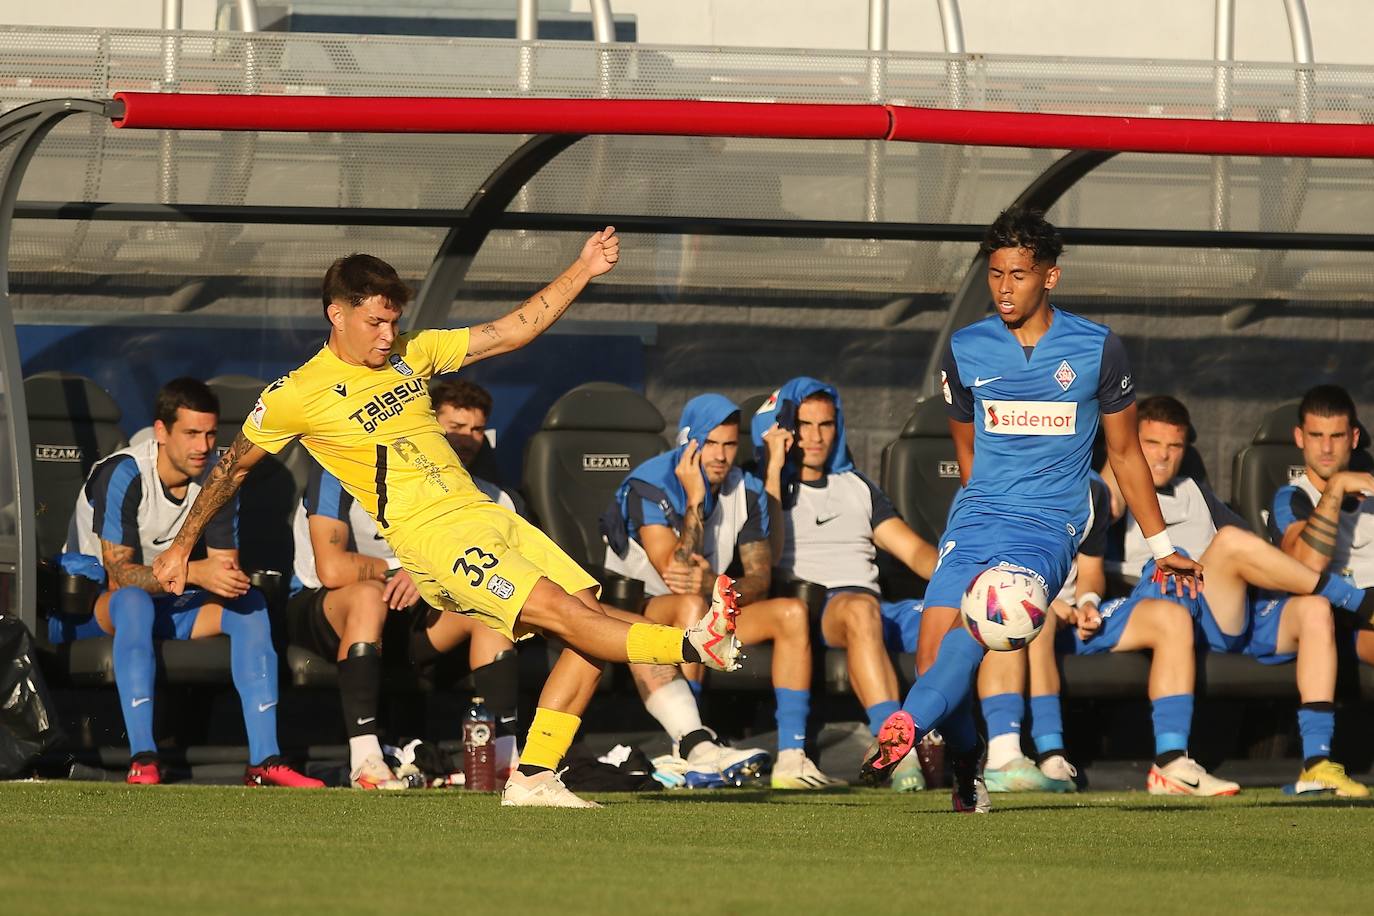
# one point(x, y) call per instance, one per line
point(1004, 607)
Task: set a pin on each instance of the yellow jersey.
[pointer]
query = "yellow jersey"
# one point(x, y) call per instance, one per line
point(374, 429)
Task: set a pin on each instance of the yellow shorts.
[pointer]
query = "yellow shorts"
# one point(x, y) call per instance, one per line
point(483, 560)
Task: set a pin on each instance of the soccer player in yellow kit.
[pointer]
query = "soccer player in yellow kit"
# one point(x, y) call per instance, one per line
point(361, 407)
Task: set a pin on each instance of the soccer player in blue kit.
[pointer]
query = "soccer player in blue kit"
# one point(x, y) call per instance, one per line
point(1025, 388)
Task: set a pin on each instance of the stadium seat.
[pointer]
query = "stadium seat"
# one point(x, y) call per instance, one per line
point(590, 439)
point(921, 471)
point(73, 423)
point(1271, 460)
point(747, 408)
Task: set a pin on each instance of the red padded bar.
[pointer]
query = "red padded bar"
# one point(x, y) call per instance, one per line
point(178, 111)
point(1132, 135)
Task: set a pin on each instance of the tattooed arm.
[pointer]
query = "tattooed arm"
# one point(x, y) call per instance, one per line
point(537, 313)
point(124, 572)
point(170, 568)
point(335, 564)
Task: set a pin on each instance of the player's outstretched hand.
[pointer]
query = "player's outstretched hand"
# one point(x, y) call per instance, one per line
point(169, 568)
point(1184, 573)
point(601, 251)
point(400, 591)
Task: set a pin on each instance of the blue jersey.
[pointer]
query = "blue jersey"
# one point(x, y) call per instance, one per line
point(1035, 410)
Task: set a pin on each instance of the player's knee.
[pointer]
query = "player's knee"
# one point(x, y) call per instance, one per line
point(1173, 623)
point(131, 609)
point(864, 622)
point(1315, 620)
point(794, 620)
point(1233, 540)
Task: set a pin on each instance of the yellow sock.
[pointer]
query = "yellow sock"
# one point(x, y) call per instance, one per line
point(652, 644)
point(550, 734)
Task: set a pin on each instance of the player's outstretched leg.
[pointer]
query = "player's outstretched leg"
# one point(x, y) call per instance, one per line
point(585, 626)
point(938, 690)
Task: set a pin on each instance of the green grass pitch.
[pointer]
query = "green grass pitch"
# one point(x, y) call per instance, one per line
point(95, 848)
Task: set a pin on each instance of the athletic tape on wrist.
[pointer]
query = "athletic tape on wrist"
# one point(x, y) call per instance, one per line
point(1160, 545)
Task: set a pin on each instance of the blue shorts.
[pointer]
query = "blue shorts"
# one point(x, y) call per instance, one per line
point(1263, 612)
point(174, 617)
point(977, 539)
point(1115, 615)
point(901, 619)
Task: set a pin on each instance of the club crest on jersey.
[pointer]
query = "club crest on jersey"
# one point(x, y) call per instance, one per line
point(1065, 375)
point(399, 364)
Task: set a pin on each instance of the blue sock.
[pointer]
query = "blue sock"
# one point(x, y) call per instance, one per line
point(1316, 724)
point(131, 611)
point(793, 708)
point(959, 729)
point(1339, 592)
point(1047, 723)
point(1173, 720)
point(253, 662)
point(878, 713)
point(1003, 713)
point(948, 682)
point(695, 687)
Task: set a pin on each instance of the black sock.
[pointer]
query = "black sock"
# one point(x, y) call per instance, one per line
point(1310, 762)
point(498, 683)
point(360, 681)
point(690, 655)
point(529, 769)
point(1168, 757)
point(691, 740)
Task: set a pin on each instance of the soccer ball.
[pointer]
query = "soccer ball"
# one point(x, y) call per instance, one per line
point(1004, 607)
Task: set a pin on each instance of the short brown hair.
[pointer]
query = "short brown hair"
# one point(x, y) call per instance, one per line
point(1327, 401)
point(190, 393)
point(362, 276)
point(1162, 408)
point(460, 394)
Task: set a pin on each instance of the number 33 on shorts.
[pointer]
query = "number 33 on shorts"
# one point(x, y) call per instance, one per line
point(475, 563)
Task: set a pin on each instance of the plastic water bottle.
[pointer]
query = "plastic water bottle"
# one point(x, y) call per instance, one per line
point(479, 755)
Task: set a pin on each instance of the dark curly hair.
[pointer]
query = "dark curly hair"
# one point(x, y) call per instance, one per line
point(1016, 227)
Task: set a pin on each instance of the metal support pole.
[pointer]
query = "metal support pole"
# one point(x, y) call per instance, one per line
point(877, 91)
point(248, 15)
point(603, 23)
point(526, 30)
point(26, 126)
point(1224, 52)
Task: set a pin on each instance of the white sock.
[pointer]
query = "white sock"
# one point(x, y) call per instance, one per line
point(675, 707)
point(1003, 749)
point(361, 748)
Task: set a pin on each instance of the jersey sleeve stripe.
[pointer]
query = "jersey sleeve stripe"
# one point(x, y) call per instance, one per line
point(329, 502)
point(119, 505)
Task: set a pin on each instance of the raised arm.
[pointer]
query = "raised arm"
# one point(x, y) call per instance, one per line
point(538, 313)
point(225, 478)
